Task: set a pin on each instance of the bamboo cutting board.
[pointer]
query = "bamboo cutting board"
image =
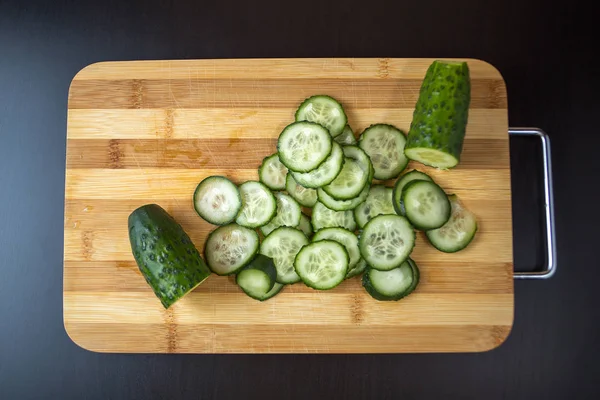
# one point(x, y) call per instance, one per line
point(149, 131)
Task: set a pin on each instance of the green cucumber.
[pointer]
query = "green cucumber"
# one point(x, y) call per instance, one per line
point(425, 204)
point(402, 181)
point(384, 145)
point(322, 265)
point(342, 205)
point(257, 278)
point(282, 245)
point(345, 238)
point(272, 172)
point(324, 110)
point(386, 241)
point(358, 269)
point(324, 173)
point(303, 146)
point(258, 205)
point(229, 248)
point(305, 196)
point(458, 232)
point(378, 201)
point(323, 217)
point(165, 254)
point(305, 225)
point(439, 123)
point(288, 213)
point(217, 200)
point(346, 137)
point(349, 183)
point(394, 284)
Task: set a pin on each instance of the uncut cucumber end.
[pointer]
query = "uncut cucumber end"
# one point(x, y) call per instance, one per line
point(431, 157)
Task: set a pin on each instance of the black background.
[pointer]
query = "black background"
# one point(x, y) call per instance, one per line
point(544, 52)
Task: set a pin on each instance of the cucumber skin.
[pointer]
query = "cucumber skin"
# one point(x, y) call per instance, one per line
point(396, 194)
point(453, 198)
point(153, 233)
point(440, 123)
point(366, 282)
point(261, 263)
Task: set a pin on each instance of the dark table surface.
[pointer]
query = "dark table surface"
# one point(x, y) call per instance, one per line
point(543, 50)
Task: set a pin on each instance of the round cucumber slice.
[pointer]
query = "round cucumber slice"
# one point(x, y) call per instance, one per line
point(384, 144)
point(272, 172)
point(322, 265)
point(305, 196)
point(346, 137)
point(258, 277)
point(324, 173)
point(458, 232)
point(323, 217)
point(325, 111)
point(303, 146)
point(288, 213)
point(386, 241)
point(258, 205)
point(345, 238)
point(394, 284)
point(342, 205)
point(378, 201)
point(358, 269)
point(217, 200)
point(229, 248)
point(349, 183)
point(425, 204)
point(410, 176)
point(282, 245)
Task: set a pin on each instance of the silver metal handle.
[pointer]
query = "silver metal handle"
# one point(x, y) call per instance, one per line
point(550, 267)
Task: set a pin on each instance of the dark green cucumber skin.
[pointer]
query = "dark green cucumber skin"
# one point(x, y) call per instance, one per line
point(261, 263)
point(366, 282)
point(398, 192)
point(440, 116)
point(403, 208)
point(165, 254)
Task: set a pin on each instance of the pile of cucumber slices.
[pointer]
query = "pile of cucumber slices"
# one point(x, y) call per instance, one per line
point(321, 211)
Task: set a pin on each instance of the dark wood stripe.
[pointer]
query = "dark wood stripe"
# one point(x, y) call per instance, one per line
point(274, 93)
point(219, 153)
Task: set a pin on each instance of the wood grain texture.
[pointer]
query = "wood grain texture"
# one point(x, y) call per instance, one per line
point(149, 131)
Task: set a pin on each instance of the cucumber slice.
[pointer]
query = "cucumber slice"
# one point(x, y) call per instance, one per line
point(378, 201)
point(325, 111)
point(325, 173)
point(458, 232)
point(217, 200)
point(358, 269)
point(394, 284)
point(272, 172)
point(322, 265)
point(258, 277)
point(345, 238)
point(359, 155)
point(229, 248)
point(410, 176)
point(305, 225)
point(282, 245)
point(258, 205)
point(303, 146)
point(386, 241)
point(273, 292)
point(385, 146)
point(342, 205)
point(305, 196)
point(323, 217)
point(346, 137)
point(425, 204)
point(349, 183)
point(288, 213)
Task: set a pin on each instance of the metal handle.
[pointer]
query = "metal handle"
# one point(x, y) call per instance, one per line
point(550, 267)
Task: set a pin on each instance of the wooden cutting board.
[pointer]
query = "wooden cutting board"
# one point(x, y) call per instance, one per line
point(149, 131)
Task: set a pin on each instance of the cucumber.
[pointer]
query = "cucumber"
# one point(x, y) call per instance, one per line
point(230, 247)
point(384, 145)
point(258, 205)
point(425, 204)
point(346, 137)
point(325, 111)
point(325, 173)
point(323, 217)
point(303, 146)
point(402, 181)
point(217, 200)
point(164, 254)
point(305, 225)
point(386, 241)
point(439, 122)
point(345, 238)
point(305, 196)
point(394, 284)
point(282, 245)
point(360, 156)
point(272, 172)
point(358, 269)
point(458, 232)
point(322, 265)
point(257, 278)
point(342, 205)
point(349, 183)
point(288, 213)
point(378, 201)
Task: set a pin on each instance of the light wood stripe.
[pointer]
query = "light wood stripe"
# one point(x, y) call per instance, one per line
point(245, 122)
point(273, 93)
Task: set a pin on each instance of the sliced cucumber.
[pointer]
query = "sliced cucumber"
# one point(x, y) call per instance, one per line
point(425, 204)
point(303, 146)
point(342, 205)
point(323, 217)
point(359, 155)
point(346, 137)
point(410, 176)
point(378, 202)
point(305, 196)
point(458, 232)
point(258, 205)
point(282, 245)
point(385, 146)
point(272, 172)
point(349, 183)
point(230, 247)
point(394, 284)
point(345, 238)
point(322, 265)
point(325, 173)
point(258, 277)
point(288, 213)
point(217, 200)
point(305, 225)
point(358, 269)
point(325, 111)
point(386, 241)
